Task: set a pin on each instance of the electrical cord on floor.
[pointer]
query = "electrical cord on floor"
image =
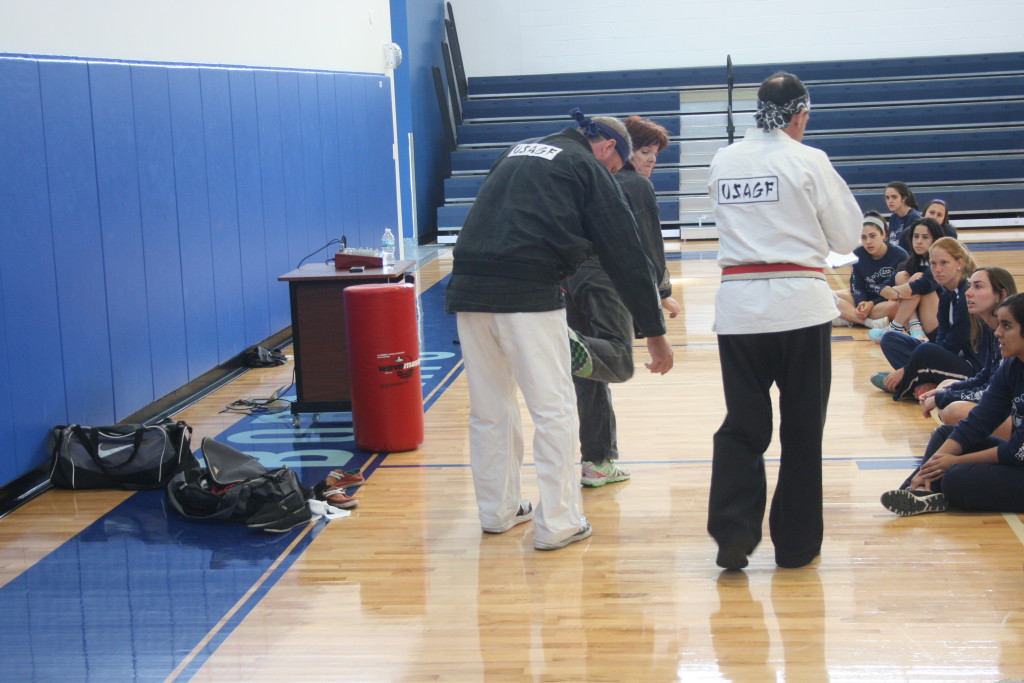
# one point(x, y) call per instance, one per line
point(262, 406)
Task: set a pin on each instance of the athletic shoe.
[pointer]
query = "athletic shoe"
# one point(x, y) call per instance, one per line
point(878, 379)
point(582, 363)
point(584, 532)
point(841, 322)
point(278, 510)
point(599, 474)
point(905, 502)
point(919, 334)
point(285, 524)
point(876, 333)
point(523, 514)
point(341, 479)
point(339, 499)
point(876, 323)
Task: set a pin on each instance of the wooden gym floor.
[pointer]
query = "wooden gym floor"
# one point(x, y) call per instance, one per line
point(408, 589)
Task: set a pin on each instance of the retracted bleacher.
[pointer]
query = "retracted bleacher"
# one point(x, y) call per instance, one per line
point(950, 127)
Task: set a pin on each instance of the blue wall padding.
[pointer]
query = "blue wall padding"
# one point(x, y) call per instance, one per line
point(147, 212)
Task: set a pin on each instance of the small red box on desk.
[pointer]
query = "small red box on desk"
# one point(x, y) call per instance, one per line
point(343, 261)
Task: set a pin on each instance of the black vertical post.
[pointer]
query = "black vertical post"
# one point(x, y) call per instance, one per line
point(449, 71)
point(446, 112)
point(730, 127)
point(453, 41)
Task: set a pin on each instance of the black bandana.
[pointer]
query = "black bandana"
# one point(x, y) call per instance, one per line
point(770, 116)
point(592, 129)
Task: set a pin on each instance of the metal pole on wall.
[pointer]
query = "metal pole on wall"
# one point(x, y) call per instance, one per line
point(412, 188)
point(392, 58)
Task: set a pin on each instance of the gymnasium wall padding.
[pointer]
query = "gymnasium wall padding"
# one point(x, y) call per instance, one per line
point(146, 214)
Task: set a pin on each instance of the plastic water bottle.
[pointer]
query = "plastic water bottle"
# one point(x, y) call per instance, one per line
point(387, 247)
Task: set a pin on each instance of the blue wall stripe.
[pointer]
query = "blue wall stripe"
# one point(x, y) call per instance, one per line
point(255, 279)
point(291, 155)
point(331, 159)
point(117, 180)
point(312, 162)
point(224, 229)
point(169, 363)
point(196, 249)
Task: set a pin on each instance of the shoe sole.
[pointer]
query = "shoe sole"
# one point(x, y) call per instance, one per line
point(516, 521)
point(578, 536)
point(592, 483)
point(906, 504)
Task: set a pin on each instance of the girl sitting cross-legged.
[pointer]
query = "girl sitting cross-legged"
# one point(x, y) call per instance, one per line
point(876, 267)
point(965, 466)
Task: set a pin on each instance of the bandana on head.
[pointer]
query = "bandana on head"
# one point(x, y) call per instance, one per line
point(770, 116)
point(592, 129)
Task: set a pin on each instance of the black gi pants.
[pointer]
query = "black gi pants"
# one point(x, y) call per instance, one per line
point(976, 487)
point(605, 326)
point(799, 362)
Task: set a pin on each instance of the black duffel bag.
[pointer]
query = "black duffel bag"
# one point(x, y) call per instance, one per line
point(123, 456)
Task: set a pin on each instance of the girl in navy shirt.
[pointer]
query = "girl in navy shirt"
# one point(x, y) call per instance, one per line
point(987, 287)
point(876, 267)
point(939, 210)
point(965, 466)
point(954, 354)
point(903, 207)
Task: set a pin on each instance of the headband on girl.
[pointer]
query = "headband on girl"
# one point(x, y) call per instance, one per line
point(875, 220)
point(770, 115)
point(592, 129)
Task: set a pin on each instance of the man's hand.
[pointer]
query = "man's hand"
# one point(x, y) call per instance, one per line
point(671, 305)
point(661, 355)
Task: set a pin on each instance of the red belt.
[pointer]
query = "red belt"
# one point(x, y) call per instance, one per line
point(756, 271)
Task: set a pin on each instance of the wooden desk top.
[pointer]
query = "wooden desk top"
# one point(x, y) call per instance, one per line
point(326, 271)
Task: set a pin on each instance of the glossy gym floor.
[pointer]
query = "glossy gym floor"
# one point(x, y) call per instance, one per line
point(113, 586)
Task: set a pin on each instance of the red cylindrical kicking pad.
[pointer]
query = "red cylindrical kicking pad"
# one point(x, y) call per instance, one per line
point(384, 363)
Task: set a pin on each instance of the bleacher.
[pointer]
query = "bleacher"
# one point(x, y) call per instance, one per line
point(950, 127)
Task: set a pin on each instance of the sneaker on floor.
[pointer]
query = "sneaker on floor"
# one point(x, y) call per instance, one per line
point(584, 532)
point(875, 334)
point(599, 474)
point(919, 334)
point(523, 514)
point(582, 363)
point(341, 479)
point(339, 499)
point(876, 323)
point(841, 322)
point(905, 502)
point(878, 379)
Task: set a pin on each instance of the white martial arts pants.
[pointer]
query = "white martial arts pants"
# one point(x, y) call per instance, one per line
point(501, 350)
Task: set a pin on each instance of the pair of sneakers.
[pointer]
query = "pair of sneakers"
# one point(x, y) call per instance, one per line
point(280, 516)
point(334, 488)
point(905, 502)
point(525, 514)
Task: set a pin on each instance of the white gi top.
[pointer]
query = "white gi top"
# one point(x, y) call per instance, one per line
point(778, 201)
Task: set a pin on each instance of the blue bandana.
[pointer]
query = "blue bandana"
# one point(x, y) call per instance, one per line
point(592, 129)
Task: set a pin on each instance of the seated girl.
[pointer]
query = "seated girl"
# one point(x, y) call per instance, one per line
point(939, 210)
point(958, 337)
point(903, 207)
point(876, 267)
point(915, 288)
point(965, 466)
point(953, 399)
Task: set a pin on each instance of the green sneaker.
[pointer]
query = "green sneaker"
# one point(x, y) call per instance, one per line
point(599, 474)
point(582, 363)
point(878, 379)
